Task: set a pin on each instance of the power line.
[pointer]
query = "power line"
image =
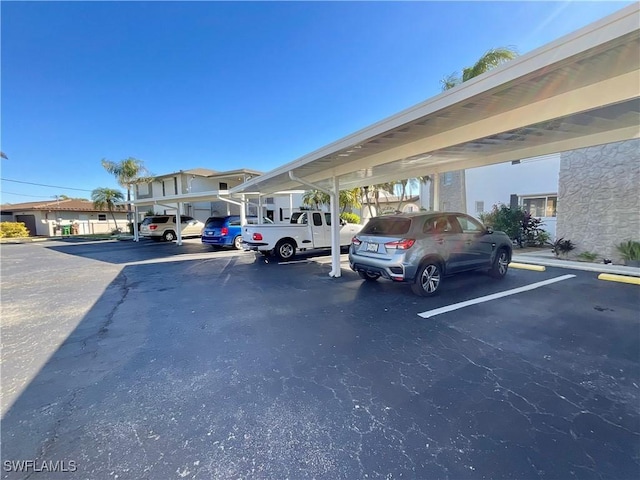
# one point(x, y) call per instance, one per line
point(43, 185)
point(23, 195)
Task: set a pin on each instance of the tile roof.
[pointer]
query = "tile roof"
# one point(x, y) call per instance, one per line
point(69, 204)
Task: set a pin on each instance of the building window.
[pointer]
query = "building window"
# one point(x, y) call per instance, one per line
point(223, 186)
point(269, 200)
point(447, 178)
point(540, 206)
point(142, 188)
point(164, 193)
point(175, 185)
point(102, 217)
point(479, 206)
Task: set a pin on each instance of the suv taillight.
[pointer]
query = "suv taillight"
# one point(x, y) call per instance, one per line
point(404, 244)
point(356, 241)
point(257, 236)
point(153, 227)
point(224, 231)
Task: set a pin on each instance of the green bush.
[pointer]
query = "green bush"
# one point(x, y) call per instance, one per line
point(587, 256)
point(562, 247)
point(519, 225)
point(350, 217)
point(629, 250)
point(504, 219)
point(13, 230)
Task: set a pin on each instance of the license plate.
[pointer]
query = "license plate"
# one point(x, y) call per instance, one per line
point(372, 247)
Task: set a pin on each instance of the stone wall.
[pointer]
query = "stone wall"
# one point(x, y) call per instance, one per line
point(453, 196)
point(599, 197)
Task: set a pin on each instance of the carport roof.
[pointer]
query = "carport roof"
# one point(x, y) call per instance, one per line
point(578, 91)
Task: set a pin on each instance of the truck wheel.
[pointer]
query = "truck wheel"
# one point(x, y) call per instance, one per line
point(285, 249)
point(237, 242)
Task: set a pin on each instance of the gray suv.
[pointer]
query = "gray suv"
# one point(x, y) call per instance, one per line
point(421, 248)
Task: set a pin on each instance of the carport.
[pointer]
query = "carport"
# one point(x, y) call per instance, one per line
point(177, 201)
point(579, 91)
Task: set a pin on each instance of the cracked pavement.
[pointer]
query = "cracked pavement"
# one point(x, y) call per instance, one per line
point(135, 362)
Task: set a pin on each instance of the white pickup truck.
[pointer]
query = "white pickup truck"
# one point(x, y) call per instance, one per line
point(307, 230)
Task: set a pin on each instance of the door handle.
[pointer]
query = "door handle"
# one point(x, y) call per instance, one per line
point(468, 242)
point(440, 241)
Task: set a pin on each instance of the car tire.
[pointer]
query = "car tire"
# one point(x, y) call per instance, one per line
point(169, 236)
point(500, 264)
point(428, 279)
point(285, 250)
point(237, 242)
point(369, 277)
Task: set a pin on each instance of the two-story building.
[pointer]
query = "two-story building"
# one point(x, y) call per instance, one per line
point(202, 193)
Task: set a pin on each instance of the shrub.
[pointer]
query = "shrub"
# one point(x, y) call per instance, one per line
point(519, 225)
point(350, 217)
point(629, 250)
point(504, 219)
point(13, 230)
point(588, 256)
point(562, 247)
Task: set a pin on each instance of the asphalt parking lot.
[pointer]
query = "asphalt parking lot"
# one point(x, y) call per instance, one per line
point(156, 361)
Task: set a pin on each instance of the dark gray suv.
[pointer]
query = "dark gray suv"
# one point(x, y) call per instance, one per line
point(421, 248)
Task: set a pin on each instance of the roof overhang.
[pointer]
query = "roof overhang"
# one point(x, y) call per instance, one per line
point(578, 91)
point(207, 196)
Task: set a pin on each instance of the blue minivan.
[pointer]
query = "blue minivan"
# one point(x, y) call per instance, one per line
point(226, 231)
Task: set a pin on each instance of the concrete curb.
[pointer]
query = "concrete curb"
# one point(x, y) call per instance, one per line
point(588, 267)
point(619, 278)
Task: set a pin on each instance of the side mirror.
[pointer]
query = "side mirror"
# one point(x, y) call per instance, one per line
point(343, 222)
point(488, 231)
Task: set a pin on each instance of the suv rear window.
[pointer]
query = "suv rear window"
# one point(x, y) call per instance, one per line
point(150, 220)
point(387, 226)
point(214, 222)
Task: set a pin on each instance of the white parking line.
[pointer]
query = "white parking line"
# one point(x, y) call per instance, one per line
point(294, 261)
point(486, 298)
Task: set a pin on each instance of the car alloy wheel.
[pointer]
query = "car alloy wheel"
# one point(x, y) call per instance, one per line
point(169, 236)
point(500, 264)
point(428, 280)
point(237, 242)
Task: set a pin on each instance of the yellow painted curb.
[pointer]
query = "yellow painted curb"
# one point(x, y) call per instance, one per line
point(526, 266)
point(619, 278)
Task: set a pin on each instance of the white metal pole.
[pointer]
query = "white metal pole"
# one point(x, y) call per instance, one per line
point(290, 205)
point(335, 229)
point(243, 211)
point(136, 237)
point(179, 224)
point(259, 209)
point(436, 191)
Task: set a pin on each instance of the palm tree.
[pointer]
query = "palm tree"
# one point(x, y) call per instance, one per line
point(403, 184)
point(315, 198)
point(491, 59)
point(346, 198)
point(107, 197)
point(128, 172)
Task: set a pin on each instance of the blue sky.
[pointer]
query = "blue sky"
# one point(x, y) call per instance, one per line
point(226, 85)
